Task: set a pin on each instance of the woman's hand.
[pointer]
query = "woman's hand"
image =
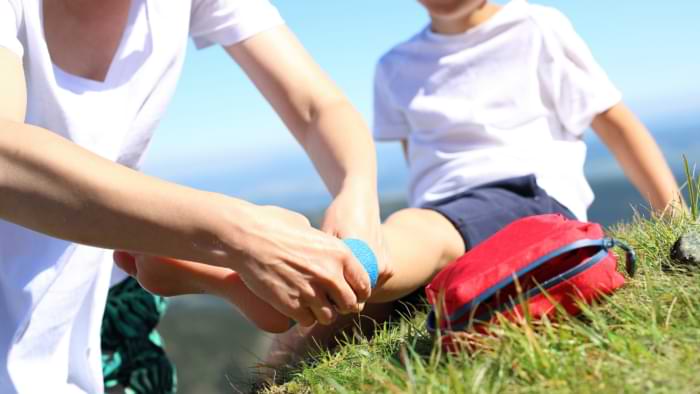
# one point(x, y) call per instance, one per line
point(303, 272)
point(299, 270)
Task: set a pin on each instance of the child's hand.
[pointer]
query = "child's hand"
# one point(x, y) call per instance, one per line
point(171, 277)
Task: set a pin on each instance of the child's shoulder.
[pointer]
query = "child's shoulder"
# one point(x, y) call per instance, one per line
point(403, 51)
point(549, 19)
point(518, 19)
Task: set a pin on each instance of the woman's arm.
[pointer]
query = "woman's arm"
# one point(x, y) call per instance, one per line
point(639, 155)
point(326, 125)
point(53, 186)
point(50, 185)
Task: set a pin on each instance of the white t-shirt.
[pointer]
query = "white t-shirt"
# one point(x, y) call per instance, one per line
point(52, 292)
point(509, 97)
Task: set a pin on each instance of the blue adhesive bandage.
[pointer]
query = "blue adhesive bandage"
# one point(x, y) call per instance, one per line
point(364, 255)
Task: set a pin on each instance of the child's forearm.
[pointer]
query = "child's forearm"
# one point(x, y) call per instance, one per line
point(639, 155)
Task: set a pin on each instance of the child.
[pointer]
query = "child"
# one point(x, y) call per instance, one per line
point(490, 103)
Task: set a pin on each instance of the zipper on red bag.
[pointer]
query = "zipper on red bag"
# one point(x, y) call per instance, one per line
point(604, 244)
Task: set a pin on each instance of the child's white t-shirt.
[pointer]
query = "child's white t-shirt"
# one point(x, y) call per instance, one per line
point(52, 292)
point(507, 98)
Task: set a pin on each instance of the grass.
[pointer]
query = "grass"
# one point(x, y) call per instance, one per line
point(645, 338)
point(692, 186)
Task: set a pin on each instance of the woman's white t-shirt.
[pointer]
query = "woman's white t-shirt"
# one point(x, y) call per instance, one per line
point(508, 98)
point(52, 292)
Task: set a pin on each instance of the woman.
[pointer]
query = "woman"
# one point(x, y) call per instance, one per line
point(84, 84)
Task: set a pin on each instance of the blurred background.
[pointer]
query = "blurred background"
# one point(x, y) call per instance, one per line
point(220, 135)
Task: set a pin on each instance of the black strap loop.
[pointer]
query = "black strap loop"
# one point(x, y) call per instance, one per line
point(630, 256)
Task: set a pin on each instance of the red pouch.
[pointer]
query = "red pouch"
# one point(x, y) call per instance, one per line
point(546, 261)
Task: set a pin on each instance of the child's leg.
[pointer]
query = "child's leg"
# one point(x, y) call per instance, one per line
point(420, 242)
point(170, 277)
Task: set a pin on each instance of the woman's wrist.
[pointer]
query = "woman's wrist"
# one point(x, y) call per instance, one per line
point(222, 224)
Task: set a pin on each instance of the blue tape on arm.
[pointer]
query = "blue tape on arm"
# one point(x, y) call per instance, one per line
point(366, 257)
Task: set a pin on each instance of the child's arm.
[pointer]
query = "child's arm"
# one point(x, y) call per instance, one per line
point(639, 155)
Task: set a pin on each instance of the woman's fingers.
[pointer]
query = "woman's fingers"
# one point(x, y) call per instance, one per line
point(343, 297)
point(322, 309)
point(357, 277)
point(300, 270)
point(303, 316)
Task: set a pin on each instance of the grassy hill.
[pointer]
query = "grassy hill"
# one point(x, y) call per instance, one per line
point(645, 338)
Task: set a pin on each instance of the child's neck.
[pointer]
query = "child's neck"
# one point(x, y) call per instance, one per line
point(451, 26)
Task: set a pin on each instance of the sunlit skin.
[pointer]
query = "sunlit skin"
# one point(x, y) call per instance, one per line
point(420, 242)
point(307, 273)
point(625, 136)
point(169, 277)
point(403, 233)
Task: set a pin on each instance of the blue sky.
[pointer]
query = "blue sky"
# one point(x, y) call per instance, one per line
point(219, 126)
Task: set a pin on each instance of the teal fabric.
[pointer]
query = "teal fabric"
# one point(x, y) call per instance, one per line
point(133, 358)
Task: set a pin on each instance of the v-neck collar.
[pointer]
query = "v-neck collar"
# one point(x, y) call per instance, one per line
point(114, 70)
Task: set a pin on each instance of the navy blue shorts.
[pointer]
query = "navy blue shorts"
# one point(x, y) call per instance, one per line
point(480, 212)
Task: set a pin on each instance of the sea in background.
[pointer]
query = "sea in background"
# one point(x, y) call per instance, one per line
point(216, 350)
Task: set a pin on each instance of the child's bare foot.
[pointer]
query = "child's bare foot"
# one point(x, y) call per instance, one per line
point(170, 277)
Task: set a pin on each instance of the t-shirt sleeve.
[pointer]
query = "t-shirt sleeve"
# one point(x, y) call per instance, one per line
point(9, 27)
point(227, 22)
point(389, 122)
point(577, 86)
